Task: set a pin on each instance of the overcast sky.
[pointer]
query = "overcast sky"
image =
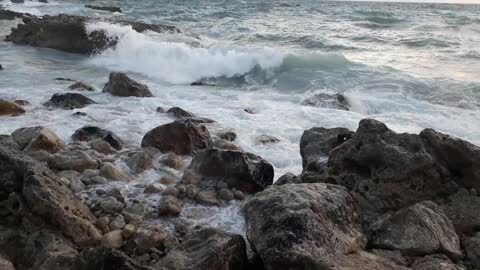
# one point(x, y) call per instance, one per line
point(430, 1)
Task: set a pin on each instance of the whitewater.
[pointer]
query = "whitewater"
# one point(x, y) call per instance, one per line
point(411, 66)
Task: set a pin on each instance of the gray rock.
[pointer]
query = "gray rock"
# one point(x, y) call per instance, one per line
point(228, 136)
point(266, 139)
point(81, 86)
point(361, 260)
point(73, 160)
point(99, 180)
point(140, 162)
point(225, 194)
point(207, 196)
point(169, 206)
point(69, 101)
point(178, 112)
point(113, 239)
point(435, 262)
point(91, 133)
point(117, 223)
point(295, 226)
point(119, 84)
point(323, 100)
point(113, 172)
point(288, 178)
point(463, 210)
point(154, 188)
point(105, 8)
point(226, 145)
point(6, 265)
point(472, 249)
point(392, 255)
point(37, 138)
point(109, 205)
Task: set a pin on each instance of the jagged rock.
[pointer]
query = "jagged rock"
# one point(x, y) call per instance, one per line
point(10, 108)
point(181, 138)
point(112, 172)
point(37, 138)
point(295, 226)
point(288, 178)
point(178, 112)
point(148, 237)
point(140, 162)
point(105, 8)
point(392, 255)
point(226, 145)
point(243, 171)
point(463, 209)
point(323, 100)
point(435, 262)
point(106, 258)
point(72, 160)
point(119, 84)
point(207, 249)
point(266, 139)
point(169, 206)
point(81, 86)
point(113, 239)
point(90, 133)
point(69, 101)
point(418, 230)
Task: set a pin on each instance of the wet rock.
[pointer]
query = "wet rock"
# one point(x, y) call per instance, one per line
point(117, 223)
point(113, 239)
point(113, 172)
point(463, 210)
point(298, 225)
point(323, 100)
point(119, 84)
point(109, 205)
point(179, 138)
point(104, 8)
point(316, 143)
point(72, 160)
point(392, 255)
point(178, 112)
point(288, 178)
point(22, 102)
point(105, 258)
point(140, 162)
point(471, 246)
point(228, 136)
point(226, 145)
point(99, 180)
point(37, 138)
point(76, 185)
point(361, 260)
point(173, 161)
point(207, 196)
point(225, 194)
point(207, 249)
point(146, 238)
point(239, 195)
point(6, 265)
point(169, 206)
point(81, 86)
point(101, 146)
point(192, 191)
point(103, 222)
point(418, 230)
point(196, 120)
point(435, 262)
point(249, 110)
point(90, 133)
point(166, 180)
point(266, 139)
point(172, 191)
point(11, 15)
point(79, 114)
point(154, 188)
point(69, 101)
point(243, 171)
point(10, 108)
point(128, 231)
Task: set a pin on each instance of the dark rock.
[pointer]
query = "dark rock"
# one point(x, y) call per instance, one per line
point(226, 145)
point(11, 15)
point(362, 260)
point(249, 110)
point(140, 162)
point(435, 262)
point(172, 161)
point(106, 258)
point(228, 136)
point(243, 171)
point(288, 178)
point(463, 209)
point(121, 85)
point(472, 249)
point(181, 138)
point(323, 100)
point(79, 114)
point(69, 101)
point(37, 138)
point(109, 205)
point(196, 120)
point(21, 102)
point(148, 237)
point(225, 194)
point(418, 230)
point(90, 133)
point(392, 255)
point(81, 86)
point(1, 67)
point(160, 110)
point(178, 112)
point(104, 8)
point(206, 249)
point(266, 139)
point(316, 143)
point(207, 196)
point(10, 108)
point(301, 226)
point(169, 206)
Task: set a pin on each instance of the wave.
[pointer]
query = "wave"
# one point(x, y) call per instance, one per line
point(180, 63)
point(378, 18)
point(417, 42)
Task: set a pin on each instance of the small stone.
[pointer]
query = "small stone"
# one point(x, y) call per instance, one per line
point(172, 191)
point(140, 162)
point(179, 112)
point(224, 144)
point(173, 161)
point(166, 180)
point(117, 223)
point(109, 205)
point(239, 195)
point(249, 110)
point(192, 191)
point(113, 239)
point(98, 180)
point(160, 110)
point(266, 139)
point(102, 222)
point(90, 173)
point(154, 188)
point(182, 191)
point(81, 86)
point(128, 231)
point(221, 184)
point(101, 146)
point(79, 114)
point(112, 172)
point(76, 185)
point(106, 230)
point(225, 194)
point(228, 136)
point(169, 206)
point(207, 196)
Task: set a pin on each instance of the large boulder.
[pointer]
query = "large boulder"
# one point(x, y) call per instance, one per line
point(181, 138)
point(90, 133)
point(302, 226)
point(37, 138)
point(69, 101)
point(418, 230)
point(207, 248)
point(244, 171)
point(10, 108)
point(121, 85)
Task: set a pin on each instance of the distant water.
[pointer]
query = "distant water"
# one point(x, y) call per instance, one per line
point(411, 66)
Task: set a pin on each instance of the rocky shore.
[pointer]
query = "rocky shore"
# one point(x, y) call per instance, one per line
point(369, 199)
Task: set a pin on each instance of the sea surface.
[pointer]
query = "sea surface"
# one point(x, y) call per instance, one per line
point(411, 66)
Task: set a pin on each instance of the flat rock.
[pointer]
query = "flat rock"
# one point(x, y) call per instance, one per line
point(69, 101)
point(37, 138)
point(119, 84)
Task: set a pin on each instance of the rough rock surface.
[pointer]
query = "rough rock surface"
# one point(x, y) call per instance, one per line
point(472, 250)
point(207, 248)
point(463, 209)
point(37, 138)
point(362, 260)
point(119, 84)
point(418, 230)
point(336, 101)
point(140, 162)
point(10, 108)
point(435, 262)
point(300, 226)
point(81, 86)
point(288, 178)
point(179, 112)
point(104, 8)
point(90, 133)
point(244, 171)
point(72, 160)
point(69, 101)
point(181, 138)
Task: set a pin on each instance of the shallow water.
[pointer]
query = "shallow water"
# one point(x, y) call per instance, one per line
point(412, 66)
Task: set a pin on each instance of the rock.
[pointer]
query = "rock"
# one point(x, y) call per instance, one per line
point(361, 261)
point(128, 231)
point(298, 225)
point(392, 255)
point(21, 102)
point(418, 230)
point(160, 110)
point(11, 15)
point(165, 180)
point(288, 178)
point(463, 210)
point(207, 196)
point(179, 138)
point(249, 110)
point(10, 108)
point(81, 86)
point(196, 120)
point(154, 188)
point(243, 171)
point(79, 114)
point(6, 265)
point(173, 161)
point(37, 138)
point(105, 258)
point(435, 262)
point(148, 237)
point(323, 100)
point(90, 133)
point(101, 146)
point(226, 145)
point(72, 160)
point(225, 194)
point(316, 143)
point(239, 195)
point(266, 139)
point(117, 223)
point(228, 136)
point(471, 246)
point(169, 206)
point(206, 249)
point(180, 113)
point(69, 101)
point(113, 172)
point(76, 185)
point(140, 162)
point(109, 205)
point(104, 8)
point(103, 222)
point(172, 191)
point(113, 239)
point(119, 84)
point(99, 180)
point(192, 191)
